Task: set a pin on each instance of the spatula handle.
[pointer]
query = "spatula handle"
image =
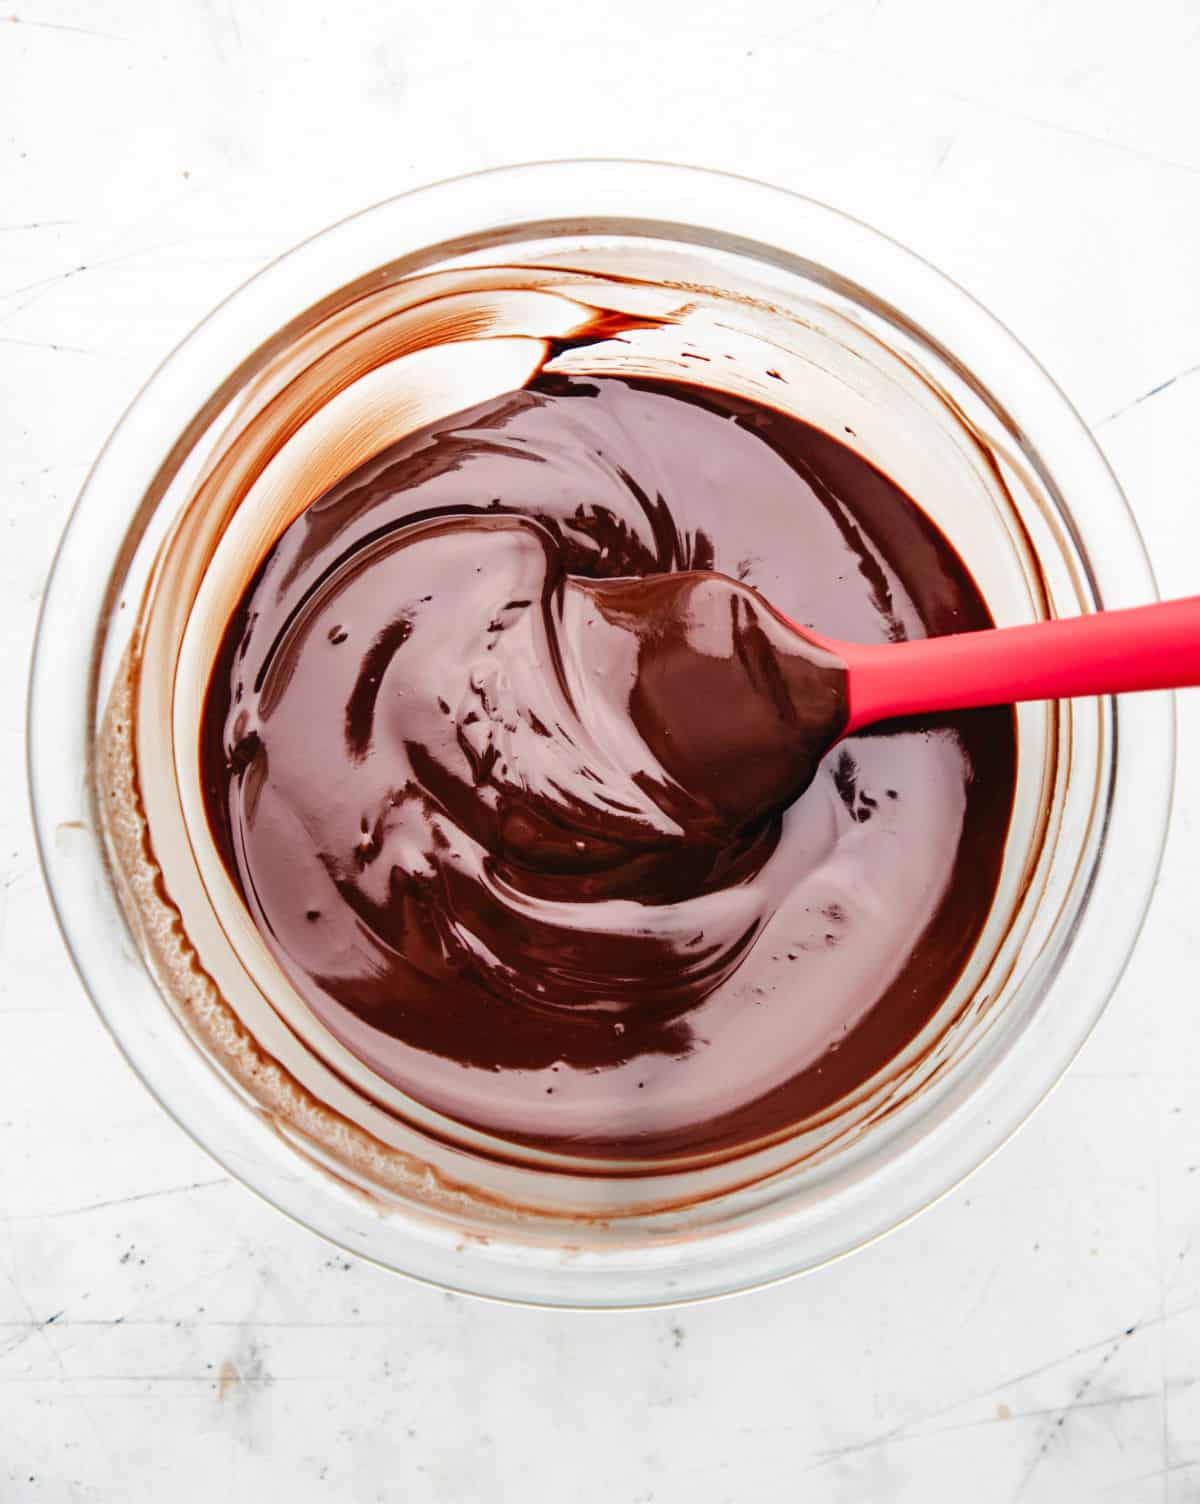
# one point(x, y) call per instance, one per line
point(1109, 652)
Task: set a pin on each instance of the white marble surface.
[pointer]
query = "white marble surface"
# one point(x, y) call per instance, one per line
point(165, 1337)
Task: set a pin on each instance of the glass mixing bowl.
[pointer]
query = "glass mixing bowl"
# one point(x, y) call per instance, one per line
point(366, 331)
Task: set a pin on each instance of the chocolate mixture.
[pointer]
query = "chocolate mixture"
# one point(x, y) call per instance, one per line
point(534, 843)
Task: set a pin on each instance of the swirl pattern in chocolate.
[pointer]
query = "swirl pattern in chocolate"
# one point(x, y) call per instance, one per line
point(538, 857)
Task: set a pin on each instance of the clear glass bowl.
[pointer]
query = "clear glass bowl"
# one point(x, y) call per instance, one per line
point(877, 347)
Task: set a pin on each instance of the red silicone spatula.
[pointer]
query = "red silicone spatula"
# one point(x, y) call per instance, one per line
point(739, 704)
point(1110, 652)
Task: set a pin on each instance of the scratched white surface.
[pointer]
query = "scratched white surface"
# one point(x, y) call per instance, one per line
point(163, 1336)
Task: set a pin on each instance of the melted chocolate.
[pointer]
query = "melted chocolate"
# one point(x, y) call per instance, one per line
point(527, 833)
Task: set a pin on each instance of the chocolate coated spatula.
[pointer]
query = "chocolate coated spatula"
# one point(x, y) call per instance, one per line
point(763, 703)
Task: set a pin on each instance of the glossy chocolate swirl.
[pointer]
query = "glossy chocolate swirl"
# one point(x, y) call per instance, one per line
point(520, 832)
